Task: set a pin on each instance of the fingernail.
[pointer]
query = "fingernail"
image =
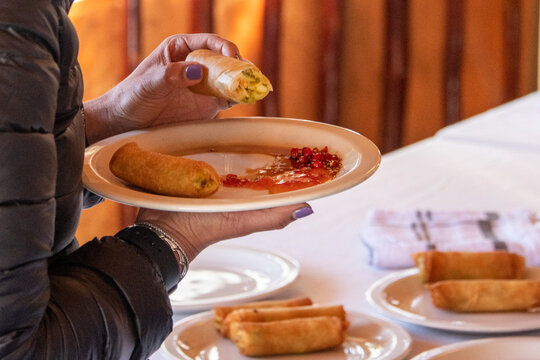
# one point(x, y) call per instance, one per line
point(193, 72)
point(302, 212)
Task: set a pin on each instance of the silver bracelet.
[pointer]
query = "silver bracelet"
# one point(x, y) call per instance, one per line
point(179, 252)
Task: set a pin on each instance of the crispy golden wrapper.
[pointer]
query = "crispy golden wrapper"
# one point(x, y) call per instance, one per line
point(221, 312)
point(164, 174)
point(293, 336)
point(449, 265)
point(486, 295)
point(282, 313)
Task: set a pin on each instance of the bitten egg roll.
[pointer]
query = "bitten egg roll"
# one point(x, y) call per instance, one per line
point(229, 78)
point(293, 336)
point(448, 265)
point(282, 313)
point(221, 312)
point(164, 174)
point(486, 295)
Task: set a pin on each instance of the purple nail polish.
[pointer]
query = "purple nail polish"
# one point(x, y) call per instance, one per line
point(193, 72)
point(302, 212)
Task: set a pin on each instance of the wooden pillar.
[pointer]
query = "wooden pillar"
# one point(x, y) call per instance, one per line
point(330, 55)
point(271, 54)
point(396, 73)
point(512, 47)
point(133, 24)
point(202, 13)
point(454, 59)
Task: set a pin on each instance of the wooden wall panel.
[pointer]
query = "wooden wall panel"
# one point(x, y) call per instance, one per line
point(487, 73)
point(101, 26)
point(396, 74)
point(271, 54)
point(530, 47)
point(330, 54)
point(424, 113)
point(453, 60)
point(362, 62)
point(202, 16)
point(483, 59)
point(300, 59)
point(162, 19)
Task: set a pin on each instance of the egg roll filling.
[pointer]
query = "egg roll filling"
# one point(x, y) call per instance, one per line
point(253, 86)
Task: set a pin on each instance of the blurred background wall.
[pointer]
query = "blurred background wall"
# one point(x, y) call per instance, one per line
point(394, 70)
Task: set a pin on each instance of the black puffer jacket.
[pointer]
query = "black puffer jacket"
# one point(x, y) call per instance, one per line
point(106, 300)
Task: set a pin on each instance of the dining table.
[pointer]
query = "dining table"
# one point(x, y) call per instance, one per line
point(489, 162)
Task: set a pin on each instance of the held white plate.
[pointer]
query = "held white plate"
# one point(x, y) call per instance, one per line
point(501, 348)
point(368, 337)
point(226, 275)
point(402, 296)
point(360, 158)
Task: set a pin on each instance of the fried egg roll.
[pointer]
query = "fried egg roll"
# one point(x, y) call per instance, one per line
point(225, 77)
point(282, 313)
point(486, 295)
point(293, 336)
point(221, 312)
point(448, 265)
point(164, 174)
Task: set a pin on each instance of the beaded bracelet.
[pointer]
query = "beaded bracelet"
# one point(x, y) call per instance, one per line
point(178, 251)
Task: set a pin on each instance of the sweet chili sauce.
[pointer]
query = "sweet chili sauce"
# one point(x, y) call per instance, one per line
point(301, 168)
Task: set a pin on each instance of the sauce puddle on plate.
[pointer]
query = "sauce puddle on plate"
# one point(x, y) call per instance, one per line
point(298, 169)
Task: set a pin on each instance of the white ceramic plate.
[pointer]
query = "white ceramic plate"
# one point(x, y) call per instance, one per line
point(367, 338)
point(402, 296)
point(226, 275)
point(360, 158)
point(501, 348)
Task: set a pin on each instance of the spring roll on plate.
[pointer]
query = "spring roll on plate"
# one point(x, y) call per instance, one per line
point(221, 312)
point(293, 336)
point(164, 174)
point(225, 77)
point(282, 313)
point(453, 265)
point(486, 295)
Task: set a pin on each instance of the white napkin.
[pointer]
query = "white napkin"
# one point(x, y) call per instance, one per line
point(391, 237)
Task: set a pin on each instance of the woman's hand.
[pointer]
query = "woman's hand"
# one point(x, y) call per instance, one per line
point(156, 92)
point(195, 231)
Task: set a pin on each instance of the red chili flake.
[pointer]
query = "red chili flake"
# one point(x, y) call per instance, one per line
point(330, 157)
point(317, 164)
point(307, 152)
point(303, 160)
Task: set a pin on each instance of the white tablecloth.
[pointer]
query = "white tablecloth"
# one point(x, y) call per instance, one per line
point(449, 171)
point(516, 124)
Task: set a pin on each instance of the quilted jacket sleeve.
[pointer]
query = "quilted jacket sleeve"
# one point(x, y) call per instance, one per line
point(106, 300)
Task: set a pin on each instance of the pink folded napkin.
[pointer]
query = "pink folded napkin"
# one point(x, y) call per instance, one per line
point(393, 236)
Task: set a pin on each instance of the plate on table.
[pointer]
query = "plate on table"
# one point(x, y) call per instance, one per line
point(360, 158)
point(368, 337)
point(226, 275)
point(501, 348)
point(403, 296)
